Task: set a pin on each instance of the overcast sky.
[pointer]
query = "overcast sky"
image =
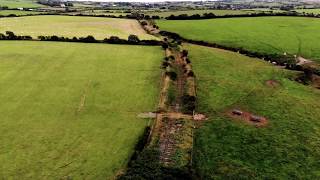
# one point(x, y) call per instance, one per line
point(155, 0)
point(134, 0)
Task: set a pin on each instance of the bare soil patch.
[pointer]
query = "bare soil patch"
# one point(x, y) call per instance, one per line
point(247, 117)
point(272, 83)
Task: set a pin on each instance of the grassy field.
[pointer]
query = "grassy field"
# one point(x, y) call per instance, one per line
point(69, 110)
point(17, 12)
point(201, 12)
point(102, 12)
point(69, 26)
point(20, 3)
point(287, 148)
point(314, 11)
point(295, 35)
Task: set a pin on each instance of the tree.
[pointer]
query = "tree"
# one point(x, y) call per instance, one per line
point(165, 46)
point(10, 35)
point(89, 39)
point(133, 39)
point(2, 36)
point(144, 23)
point(184, 53)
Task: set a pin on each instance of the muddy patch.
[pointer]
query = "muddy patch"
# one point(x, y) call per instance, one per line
point(200, 117)
point(272, 83)
point(247, 117)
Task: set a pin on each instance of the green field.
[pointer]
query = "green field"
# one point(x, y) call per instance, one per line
point(287, 148)
point(295, 35)
point(17, 12)
point(20, 3)
point(103, 12)
point(69, 110)
point(201, 12)
point(69, 26)
point(314, 11)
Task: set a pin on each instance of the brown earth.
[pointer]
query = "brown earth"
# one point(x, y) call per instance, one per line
point(272, 83)
point(248, 118)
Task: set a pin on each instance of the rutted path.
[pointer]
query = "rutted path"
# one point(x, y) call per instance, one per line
point(172, 122)
point(175, 120)
point(170, 138)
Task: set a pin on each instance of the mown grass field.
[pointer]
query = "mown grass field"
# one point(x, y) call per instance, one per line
point(287, 148)
point(69, 26)
point(294, 35)
point(17, 12)
point(69, 110)
point(20, 3)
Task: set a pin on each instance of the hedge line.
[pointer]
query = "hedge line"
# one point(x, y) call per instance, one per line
point(288, 61)
point(132, 39)
point(14, 15)
point(262, 14)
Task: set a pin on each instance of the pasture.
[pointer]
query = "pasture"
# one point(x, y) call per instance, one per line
point(69, 26)
point(227, 148)
point(294, 35)
point(201, 12)
point(17, 12)
point(20, 3)
point(69, 110)
point(102, 12)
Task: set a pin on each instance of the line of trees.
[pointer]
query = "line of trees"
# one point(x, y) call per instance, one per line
point(11, 36)
point(15, 15)
point(283, 60)
point(128, 16)
point(132, 39)
point(260, 14)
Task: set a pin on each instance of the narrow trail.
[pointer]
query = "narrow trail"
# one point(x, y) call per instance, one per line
point(172, 131)
point(173, 122)
point(180, 81)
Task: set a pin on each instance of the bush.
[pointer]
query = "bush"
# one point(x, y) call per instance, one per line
point(133, 39)
point(10, 35)
point(165, 46)
point(148, 166)
point(114, 40)
point(190, 74)
point(171, 57)
point(165, 64)
point(184, 53)
point(172, 75)
point(88, 39)
point(189, 103)
point(144, 23)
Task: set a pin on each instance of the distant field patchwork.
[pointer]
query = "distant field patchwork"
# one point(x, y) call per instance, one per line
point(17, 12)
point(201, 12)
point(229, 148)
point(314, 11)
point(295, 35)
point(69, 110)
point(20, 3)
point(69, 26)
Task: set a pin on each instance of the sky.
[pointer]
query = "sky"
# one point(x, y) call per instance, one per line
point(135, 0)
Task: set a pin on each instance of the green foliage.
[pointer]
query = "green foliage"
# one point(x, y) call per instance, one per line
point(133, 39)
point(147, 166)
